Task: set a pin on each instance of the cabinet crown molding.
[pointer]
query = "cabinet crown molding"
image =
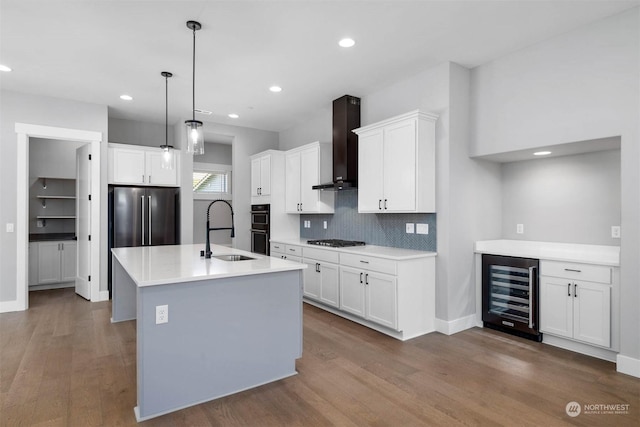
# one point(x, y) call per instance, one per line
point(414, 114)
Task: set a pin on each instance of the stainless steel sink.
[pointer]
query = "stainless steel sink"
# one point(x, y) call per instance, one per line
point(232, 257)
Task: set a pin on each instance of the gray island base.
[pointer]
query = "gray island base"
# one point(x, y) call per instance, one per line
point(223, 335)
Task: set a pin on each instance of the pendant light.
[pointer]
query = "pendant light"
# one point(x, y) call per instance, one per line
point(167, 150)
point(195, 133)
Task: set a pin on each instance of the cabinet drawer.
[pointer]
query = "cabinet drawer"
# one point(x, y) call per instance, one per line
point(573, 271)
point(369, 263)
point(293, 250)
point(321, 255)
point(278, 248)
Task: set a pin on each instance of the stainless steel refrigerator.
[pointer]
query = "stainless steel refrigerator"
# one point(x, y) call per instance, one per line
point(142, 216)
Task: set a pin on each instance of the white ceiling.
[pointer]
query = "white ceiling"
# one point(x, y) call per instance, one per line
point(94, 51)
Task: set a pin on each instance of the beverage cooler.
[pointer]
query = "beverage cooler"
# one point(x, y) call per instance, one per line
point(510, 295)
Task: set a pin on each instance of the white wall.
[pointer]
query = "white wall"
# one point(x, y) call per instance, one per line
point(563, 199)
point(578, 86)
point(39, 110)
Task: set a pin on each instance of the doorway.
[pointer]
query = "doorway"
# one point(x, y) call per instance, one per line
point(26, 132)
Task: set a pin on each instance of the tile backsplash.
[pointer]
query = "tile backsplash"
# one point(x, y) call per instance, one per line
point(374, 229)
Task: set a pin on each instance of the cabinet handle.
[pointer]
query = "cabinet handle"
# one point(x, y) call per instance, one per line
point(142, 216)
point(532, 286)
point(385, 204)
point(149, 208)
point(361, 277)
point(364, 262)
point(379, 204)
point(143, 178)
point(300, 207)
point(149, 179)
point(573, 270)
point(318, 267)
point(366, 279)
point(62, 246)
point(292, 250)
point(568, 289)
point(575, 290)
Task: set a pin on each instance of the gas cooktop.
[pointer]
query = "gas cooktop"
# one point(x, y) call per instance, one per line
point(335, 243)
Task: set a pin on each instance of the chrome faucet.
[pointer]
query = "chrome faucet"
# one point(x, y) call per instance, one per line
point(207, 249)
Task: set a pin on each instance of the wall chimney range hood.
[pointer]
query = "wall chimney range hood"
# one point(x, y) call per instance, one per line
point(346, 117)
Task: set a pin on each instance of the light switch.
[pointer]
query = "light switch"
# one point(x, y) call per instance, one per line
point(422, 228)
point(410, 228)
point(9, 227)
point(324, 224)
point(520, 228)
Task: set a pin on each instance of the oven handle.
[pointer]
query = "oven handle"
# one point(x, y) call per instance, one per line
point(531, 298)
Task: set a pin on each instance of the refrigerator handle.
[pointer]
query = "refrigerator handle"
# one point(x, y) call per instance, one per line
point(142, 217)
point(149, 208)
point(531, 298)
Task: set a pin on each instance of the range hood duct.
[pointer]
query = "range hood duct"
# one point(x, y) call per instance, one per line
point(346, 118)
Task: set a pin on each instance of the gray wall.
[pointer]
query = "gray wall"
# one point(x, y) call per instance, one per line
point(38, 110)
point(578, 86)
point(463, 185)
point(221, 154)
point(246, 141)
point(53, 159)
point(563, 199)
point(134, 132)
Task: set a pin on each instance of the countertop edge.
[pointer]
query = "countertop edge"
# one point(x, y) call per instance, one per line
point(552, 251)
point(354, 250)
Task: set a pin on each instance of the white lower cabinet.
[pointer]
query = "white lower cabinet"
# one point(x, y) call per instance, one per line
point(321, 280)
point(575, 301)
point(290, 252)
point(56, 262)
point(370, 295)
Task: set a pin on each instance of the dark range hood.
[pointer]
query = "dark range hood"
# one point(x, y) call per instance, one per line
point(346, 117)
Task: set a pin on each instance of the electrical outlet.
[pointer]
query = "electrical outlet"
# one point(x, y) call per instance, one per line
point(410, 228)
point(324, 224)
point(422, 228)
point(307, 224)
point(9, 227)
point(520, 228)
point(162, 314)
point(615, 231)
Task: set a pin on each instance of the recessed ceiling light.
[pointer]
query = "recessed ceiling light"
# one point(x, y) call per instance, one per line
point(346, 42)
point(233, 115)
point(126, 97)
point(541, 153)
point(275, 89)
point(4, 68)
point(207, 112)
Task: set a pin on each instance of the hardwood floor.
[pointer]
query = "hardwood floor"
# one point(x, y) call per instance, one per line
point(62, 363)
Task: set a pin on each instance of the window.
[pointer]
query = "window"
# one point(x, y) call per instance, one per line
point(211, 181)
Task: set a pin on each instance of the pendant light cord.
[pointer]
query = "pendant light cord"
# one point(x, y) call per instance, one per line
point(166, 110)
point(194, 76)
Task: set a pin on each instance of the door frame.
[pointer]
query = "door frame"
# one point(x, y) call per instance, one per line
point(25, 131)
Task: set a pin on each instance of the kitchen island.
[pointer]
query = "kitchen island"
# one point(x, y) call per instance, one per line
point(206, 328)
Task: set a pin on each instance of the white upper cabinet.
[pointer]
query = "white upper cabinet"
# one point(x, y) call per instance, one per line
point(305, 167)
point(396, 164)
point(137, 165)
point(261, 175)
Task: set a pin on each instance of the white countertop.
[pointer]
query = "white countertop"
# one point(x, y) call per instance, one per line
point(589, 254)
point(397, 254)
point(159, 265)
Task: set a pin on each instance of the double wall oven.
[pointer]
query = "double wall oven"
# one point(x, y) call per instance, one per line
point(260, 229)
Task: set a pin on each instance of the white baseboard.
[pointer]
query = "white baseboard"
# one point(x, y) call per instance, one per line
point(9, 306)
point(628, 365)
point(102, 296)
point(450, 327)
